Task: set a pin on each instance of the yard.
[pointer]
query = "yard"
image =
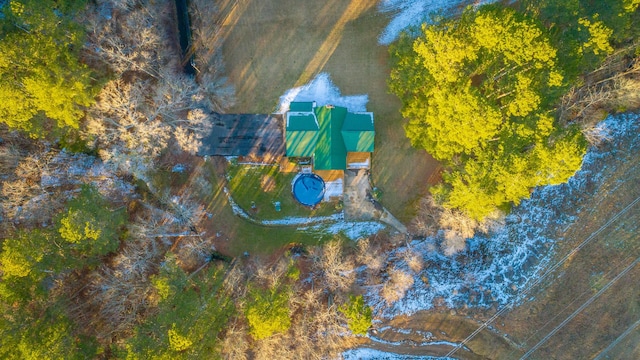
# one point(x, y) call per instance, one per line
point(270, 46)
point(257, 188)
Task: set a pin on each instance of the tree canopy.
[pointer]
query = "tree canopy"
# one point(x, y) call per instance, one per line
point(41, 75)
point(478, 92)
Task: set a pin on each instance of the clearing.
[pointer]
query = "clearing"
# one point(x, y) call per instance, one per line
point(270, 46)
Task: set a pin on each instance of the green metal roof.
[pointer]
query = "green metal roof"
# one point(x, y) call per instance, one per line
point(358, 122)
point(358, 141)
point(301, 121)
point(330, 153)
point(302, 134)
point(301, 143)
point(306, 106)
point(358, 133)
point(327, 134)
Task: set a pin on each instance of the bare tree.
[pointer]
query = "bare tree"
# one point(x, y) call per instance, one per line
point(337, 271)
point(372, 257)
point(413, 259)
point(397, 285)
point(234, 343)
point(143, 117)
point(207, 44)
point(425, 223)
point(129, 41)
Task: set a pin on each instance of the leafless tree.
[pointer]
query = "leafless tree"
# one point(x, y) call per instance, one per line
point(336, 271)
point(413, 259)
point(425, 223)
point(234, 343)
point(143, 116)
point(372, 257)
point(396, 286)
point(128, 41)
point(207, 43)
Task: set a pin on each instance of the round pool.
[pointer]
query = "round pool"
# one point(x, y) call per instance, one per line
point(308, 189)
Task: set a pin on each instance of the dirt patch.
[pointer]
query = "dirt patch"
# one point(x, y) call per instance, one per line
point(267, 183)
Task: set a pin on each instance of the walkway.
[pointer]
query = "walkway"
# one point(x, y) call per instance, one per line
point(359, 205)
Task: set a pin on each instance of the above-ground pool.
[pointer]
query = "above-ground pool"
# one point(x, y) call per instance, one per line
point(308, 189)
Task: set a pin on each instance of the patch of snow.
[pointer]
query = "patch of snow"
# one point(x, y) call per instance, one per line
point(333, 189)
point(304, 220)
point(366, 353)
point(413, 343)
point(359, 165)
point(495, 268)
point(322, 90)
point(411, 13)
point(352, 229)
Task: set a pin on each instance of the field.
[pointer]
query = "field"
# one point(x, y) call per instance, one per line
point(582, 303)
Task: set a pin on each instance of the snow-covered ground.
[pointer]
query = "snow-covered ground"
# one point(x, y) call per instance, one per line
point(364, 353)
point(333, 189)
point(495, 269)
point(322, 90)
point(352, 229)
point(409, 13)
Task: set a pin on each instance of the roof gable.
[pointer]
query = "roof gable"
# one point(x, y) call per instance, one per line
point(302, 133)
point(358, 133)
point(358, 141)
point(302, 106)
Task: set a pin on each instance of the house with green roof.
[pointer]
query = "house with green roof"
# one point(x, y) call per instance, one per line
point(330, 137)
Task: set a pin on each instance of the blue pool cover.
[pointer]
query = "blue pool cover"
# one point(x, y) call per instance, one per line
point(308, 189)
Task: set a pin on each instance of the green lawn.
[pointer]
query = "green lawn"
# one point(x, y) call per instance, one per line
point(264, 185)
point(239, 235)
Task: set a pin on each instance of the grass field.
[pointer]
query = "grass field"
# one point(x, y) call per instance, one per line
point(270, 46)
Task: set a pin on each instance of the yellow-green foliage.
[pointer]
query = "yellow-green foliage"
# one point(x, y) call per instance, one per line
point(191, 312)
point(41, 76)
point(14, 262)
point(630, 5)
point(268, 312)
point(161, 284)
point(358, 314)
point(178, 342)
point(478, 92)
point(71, 228)
point(599, 35)
point(89, 225)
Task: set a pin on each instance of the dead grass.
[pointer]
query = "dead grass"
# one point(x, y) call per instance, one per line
point(273, 45)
